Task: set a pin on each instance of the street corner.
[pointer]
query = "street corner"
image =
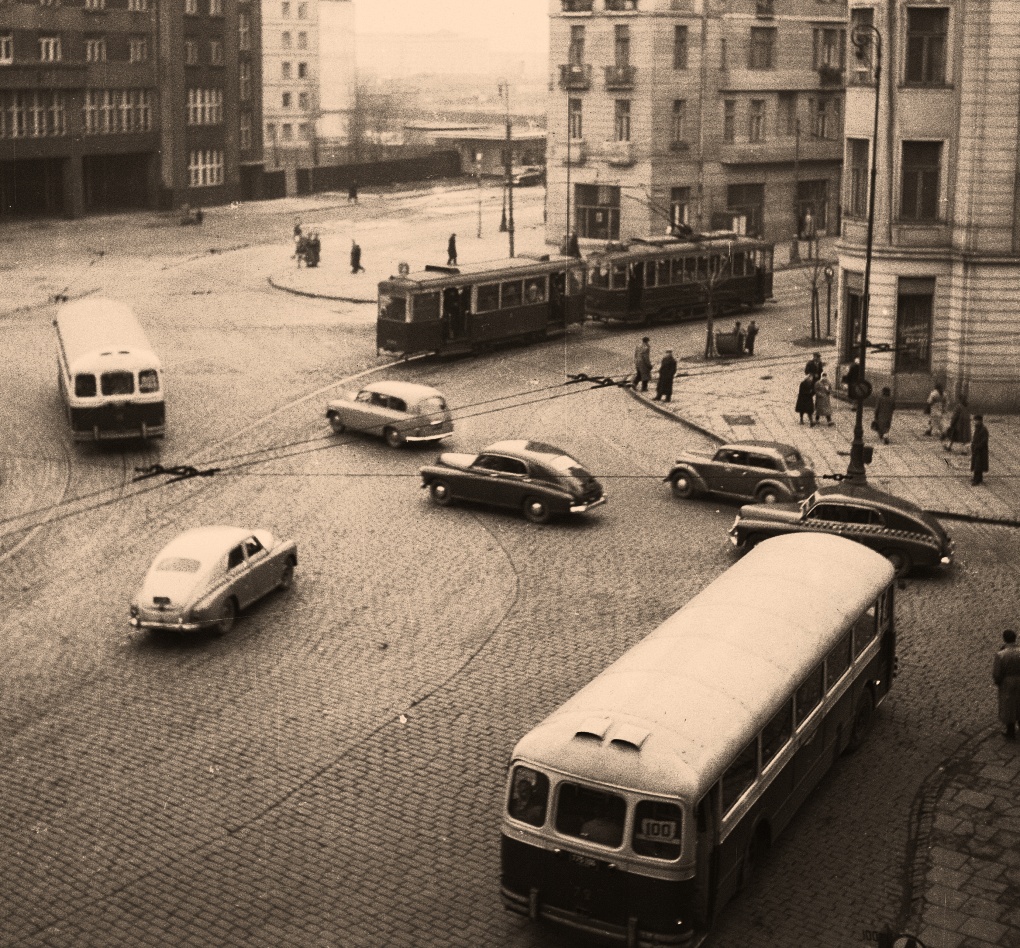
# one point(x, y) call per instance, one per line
point(324, 283)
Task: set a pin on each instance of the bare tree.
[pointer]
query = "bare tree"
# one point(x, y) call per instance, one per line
point(717, 264)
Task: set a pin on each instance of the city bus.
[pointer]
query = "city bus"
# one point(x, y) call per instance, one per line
point(473, 307)
point(110, 380)
point(648, 281)
point(636, 810)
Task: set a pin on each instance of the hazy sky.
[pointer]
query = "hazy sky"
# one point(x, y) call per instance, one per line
point(507, 23)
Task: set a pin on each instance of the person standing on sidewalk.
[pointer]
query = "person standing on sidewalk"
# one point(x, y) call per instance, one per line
point(352, 193)
point(815, 366)
point(752, 332)
point(667, 372)
point(979, 451)
point(935, 408)
point(823, 399)
point(958, 428)
point(806, 399)
point(451, 251)
point(884, 409)
point(1006, 675)
point(356, 266)
point(642, 364)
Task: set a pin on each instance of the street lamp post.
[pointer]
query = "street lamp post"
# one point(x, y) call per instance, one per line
point(795, 246)
point(829, 275)
point(865, 37)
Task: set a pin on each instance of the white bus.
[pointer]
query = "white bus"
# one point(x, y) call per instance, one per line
point(637, 809)
point(110, 379)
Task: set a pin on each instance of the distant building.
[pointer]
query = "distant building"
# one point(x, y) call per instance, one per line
point(127, 103)
point(482, 148)
point(945, 272)
point(698, 112)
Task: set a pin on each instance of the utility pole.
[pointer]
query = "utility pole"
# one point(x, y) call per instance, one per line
point(478, 181)
point(504, 90)
point(795, 246)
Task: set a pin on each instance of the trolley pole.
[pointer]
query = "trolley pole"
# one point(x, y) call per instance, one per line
point(478, 181)
point(504, 90)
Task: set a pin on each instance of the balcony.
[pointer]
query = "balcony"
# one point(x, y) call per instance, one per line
point(616, 153)
point(765, 9)
point(619, 78)
point(575, 77)
point(830, 76)
point(578, 6)
point(620, 6)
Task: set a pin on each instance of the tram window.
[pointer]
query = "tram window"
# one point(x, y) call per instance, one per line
point(702, 268)
point(657, 829)
point(393, 307)
point(84, 386)
point(575, 282)
point(590, 814)
point(534, 291)
point(776, 733)
point(599, 277)
point(691, 269)
point(619, 276)
point(739, 775)
point(510, 294)
point(662, 272)
point(425, 308)
point(864, 631)
point(809, 694)
point(488, 297)
point(117, 383)
point(148, 381)
point(738, 263)
point(650, 273)
point(529, 796)
point(838, 660)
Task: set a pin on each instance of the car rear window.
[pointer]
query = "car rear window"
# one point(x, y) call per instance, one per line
point(178, 564)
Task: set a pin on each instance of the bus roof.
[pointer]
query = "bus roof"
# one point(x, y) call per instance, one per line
point(95, 326)
point(667, 717)
point(494, 270)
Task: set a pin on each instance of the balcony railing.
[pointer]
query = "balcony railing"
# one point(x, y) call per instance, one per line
point(830, 75)
point(618, 6)
point(620, 77)
point(575, 76)
point(578, 6)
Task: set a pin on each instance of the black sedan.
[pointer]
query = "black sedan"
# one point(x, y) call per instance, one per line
point(901, 531)
point(535, 478)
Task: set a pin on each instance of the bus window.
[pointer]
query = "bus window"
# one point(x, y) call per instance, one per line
point(529, 796)
point(619, 276)
point(425, 307)
point(837, 661)
point(84, 385)
point(776, 733)
point(657, 829)
point(510, 294)
point(809, 694)
point(392, 307)
point(864, 631)
point(534, 290)
point(488, 298)
point(739, 775)
point(599, 277)
point(575, 282)
point(148, 381)
point(662, 275)
point(590, 814)
point(117, 383)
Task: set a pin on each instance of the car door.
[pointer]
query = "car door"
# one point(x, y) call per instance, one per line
point(262, 572)
point(728, 473)
point(360, 414)
point(238, 579)
point(513, 483)
point(480, 480)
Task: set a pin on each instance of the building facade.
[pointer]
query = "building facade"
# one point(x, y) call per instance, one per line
point(709, 113)
point(109, 104)
point(945, 271)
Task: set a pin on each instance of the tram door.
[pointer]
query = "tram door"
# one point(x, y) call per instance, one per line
point(635, 286)
point(456, 312)
point(557, 300)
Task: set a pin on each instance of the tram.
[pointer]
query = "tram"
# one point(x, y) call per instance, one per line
point(649, 281)
point(472, 307)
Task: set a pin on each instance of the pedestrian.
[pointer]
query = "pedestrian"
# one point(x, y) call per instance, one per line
point(815, 367)
point(752, 332)
point(854, 376)
point(738, 337)
point(301, 250)
point(979, 451)
point(297, 235)
point(356, 266)
point(884, 408)
point(823, 399)
point(806, 399)
point(935, 409)
point(574, 247)
point(958, 428)
point(313, 250)
point(642, 364)
point(1006, 675)
point(352, 193)
point(451, 251)
point(667, 372)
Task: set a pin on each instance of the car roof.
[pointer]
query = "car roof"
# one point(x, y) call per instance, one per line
point(205, 544)
point(777, 446)
point(864, 493)
point(408, 391)
point(525, 449)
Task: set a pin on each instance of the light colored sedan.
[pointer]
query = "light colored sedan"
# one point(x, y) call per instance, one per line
point(206, 576)
point(398, 411)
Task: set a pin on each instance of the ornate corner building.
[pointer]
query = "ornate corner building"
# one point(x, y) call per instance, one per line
point(710, 113)
point(945, 272)
point(110, 104)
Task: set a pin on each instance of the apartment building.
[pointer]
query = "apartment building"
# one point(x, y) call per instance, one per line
point(705, 113)
point(123, 103)
point(945, 273)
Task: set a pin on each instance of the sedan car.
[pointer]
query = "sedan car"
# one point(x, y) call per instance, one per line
point(765, 471)
point(206, 576)
point(530, 476)
point(907, 535)
point(398, 411)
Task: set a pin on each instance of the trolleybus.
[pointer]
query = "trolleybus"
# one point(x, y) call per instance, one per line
point(638, 809)
point(110, 380)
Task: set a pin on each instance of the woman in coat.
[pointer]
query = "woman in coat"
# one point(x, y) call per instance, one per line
point(884, 409)
point(823, 399)
point(958, 428)
point(806, 399)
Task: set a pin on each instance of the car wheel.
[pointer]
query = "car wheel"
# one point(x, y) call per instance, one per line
point(536, 510)
point(900, 562)
point(439, 491)
point(287, 577)
point(769, 495)
point(338, 426)
point(862, 720)
point(228, 613)
point(683, 486)
point(393, 437)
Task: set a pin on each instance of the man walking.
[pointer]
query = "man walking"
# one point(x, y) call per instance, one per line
point(1006, 675)
point(752, 332)
point(451, 251)
point(642, 364)
point(979, 451)
point(356, 266)
point(667, 372)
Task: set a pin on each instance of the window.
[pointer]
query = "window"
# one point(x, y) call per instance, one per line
point(49, 49)
point(510, 294)
point(739, 775)
point(302, 101)
point(825, 117)
point(84, 386)
point(138, 49)
point(235, 557)
point(761, 52)
point(245, 131)
point(95, 4)
point(915, 305)
point(302, 41)
point(35, 114)
point(252, 547)
point(723, 60)
point(303, 131)
point(529, 796)
point(576, 50)
point(244, 31)
point(861, 19)
point(285, 100)
point(117, 383)
point(191, 7)
point(287, 131)
point(138, 6)
point(7, 48)
point(812, 207)
point(864, 631)
point(190, 52)
point(809, 694)
point(919, 191)
point(215, 7)
point(776, 733)
point(680, 206)
point(749, 200)
point(302, 11)
point(729, 119)
point(244, 81)
point(829, 48)
point(215, 52)
point(205, 106)
point(857, 152)
point(95, 50)
point(680, 47)
point(285, 39)
point(148, 381)
point(837, 661)
point(284, 70)
point(621, 120)
point(621, 46)
point(788, 122)
point(205, 168)
point(678, 124)
point(756, 121)
point(657, 827)
point(302, 70)
point(598, 211)
point(285, 9)
point(590, 814)
point(575, 118)
point(927, 28)
point(488, 297)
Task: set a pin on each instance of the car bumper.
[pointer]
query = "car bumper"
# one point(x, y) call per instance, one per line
point(429, 436)
point(581, 508)
point(172, 625)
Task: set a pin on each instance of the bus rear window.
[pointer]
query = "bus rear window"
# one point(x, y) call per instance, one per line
point(84, 385)
point(148, 380)
point(529, 796)
point(590, 814)
point(426, 307)
point(392, 307)
point(657, 829)
point(118, 383)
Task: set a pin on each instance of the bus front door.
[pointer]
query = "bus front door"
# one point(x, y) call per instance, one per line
point(706, 870)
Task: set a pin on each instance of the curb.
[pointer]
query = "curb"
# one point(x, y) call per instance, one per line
point(679, 419)
point(316, 296)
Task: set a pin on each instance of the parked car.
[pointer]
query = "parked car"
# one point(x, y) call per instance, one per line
point(528, 177)
point(907, 535)
point(536, 478)
point(398, 411)
point(206, 576)
point(765, 471)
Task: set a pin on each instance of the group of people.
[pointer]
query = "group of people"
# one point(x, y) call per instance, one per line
point(958, 430)
point(307, 247)
point(814, 396)
point(643, 371)
point(745, 339)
